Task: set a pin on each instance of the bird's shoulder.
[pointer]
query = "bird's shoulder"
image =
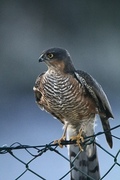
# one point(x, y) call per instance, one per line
point(96, 92)
point(38, 88)
point(39, 80)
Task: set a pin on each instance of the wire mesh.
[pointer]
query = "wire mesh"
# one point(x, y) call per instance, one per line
point(37, 151)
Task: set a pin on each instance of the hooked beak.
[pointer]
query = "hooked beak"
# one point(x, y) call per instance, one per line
point(41, 58)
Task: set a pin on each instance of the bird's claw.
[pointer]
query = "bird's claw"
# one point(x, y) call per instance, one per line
point(63, 138)
point(79, 139)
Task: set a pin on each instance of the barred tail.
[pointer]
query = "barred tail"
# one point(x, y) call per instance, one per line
point(84, 164)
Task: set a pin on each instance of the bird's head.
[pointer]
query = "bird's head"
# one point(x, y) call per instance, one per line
point(58, 59)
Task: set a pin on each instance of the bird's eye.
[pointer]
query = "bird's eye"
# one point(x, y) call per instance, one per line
point(50, 55)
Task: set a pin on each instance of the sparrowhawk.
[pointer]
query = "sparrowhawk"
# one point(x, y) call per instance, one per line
point(74, 97)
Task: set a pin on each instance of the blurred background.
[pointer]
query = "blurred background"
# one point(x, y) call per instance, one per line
point(90, 31)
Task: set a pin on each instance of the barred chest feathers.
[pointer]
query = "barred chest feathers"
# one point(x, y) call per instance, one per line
point(65, 96)
point(60, 91)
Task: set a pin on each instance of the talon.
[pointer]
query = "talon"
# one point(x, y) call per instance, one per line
point(78, 138)
point(63, 138)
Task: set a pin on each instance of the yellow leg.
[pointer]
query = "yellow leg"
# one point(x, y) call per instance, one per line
point(78, 138)
point(63, 138)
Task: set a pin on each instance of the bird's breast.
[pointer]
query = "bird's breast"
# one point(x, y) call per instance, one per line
point(61, 92)
point(64, 97)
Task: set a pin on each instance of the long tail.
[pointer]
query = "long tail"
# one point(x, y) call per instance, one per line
point(84, 164)
point(106, 128)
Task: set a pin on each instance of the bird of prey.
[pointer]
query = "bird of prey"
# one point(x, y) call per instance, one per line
point(74, 97)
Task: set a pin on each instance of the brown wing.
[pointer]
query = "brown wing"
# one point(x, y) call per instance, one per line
point(39, 96)
point(36, 88)
point(96, 92)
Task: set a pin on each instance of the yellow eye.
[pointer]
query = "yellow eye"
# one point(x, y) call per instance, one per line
point(50, 55)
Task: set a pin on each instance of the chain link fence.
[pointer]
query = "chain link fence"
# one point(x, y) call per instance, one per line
point(35, 152)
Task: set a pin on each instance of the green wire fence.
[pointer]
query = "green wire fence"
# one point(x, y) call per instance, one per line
point(42, 149)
